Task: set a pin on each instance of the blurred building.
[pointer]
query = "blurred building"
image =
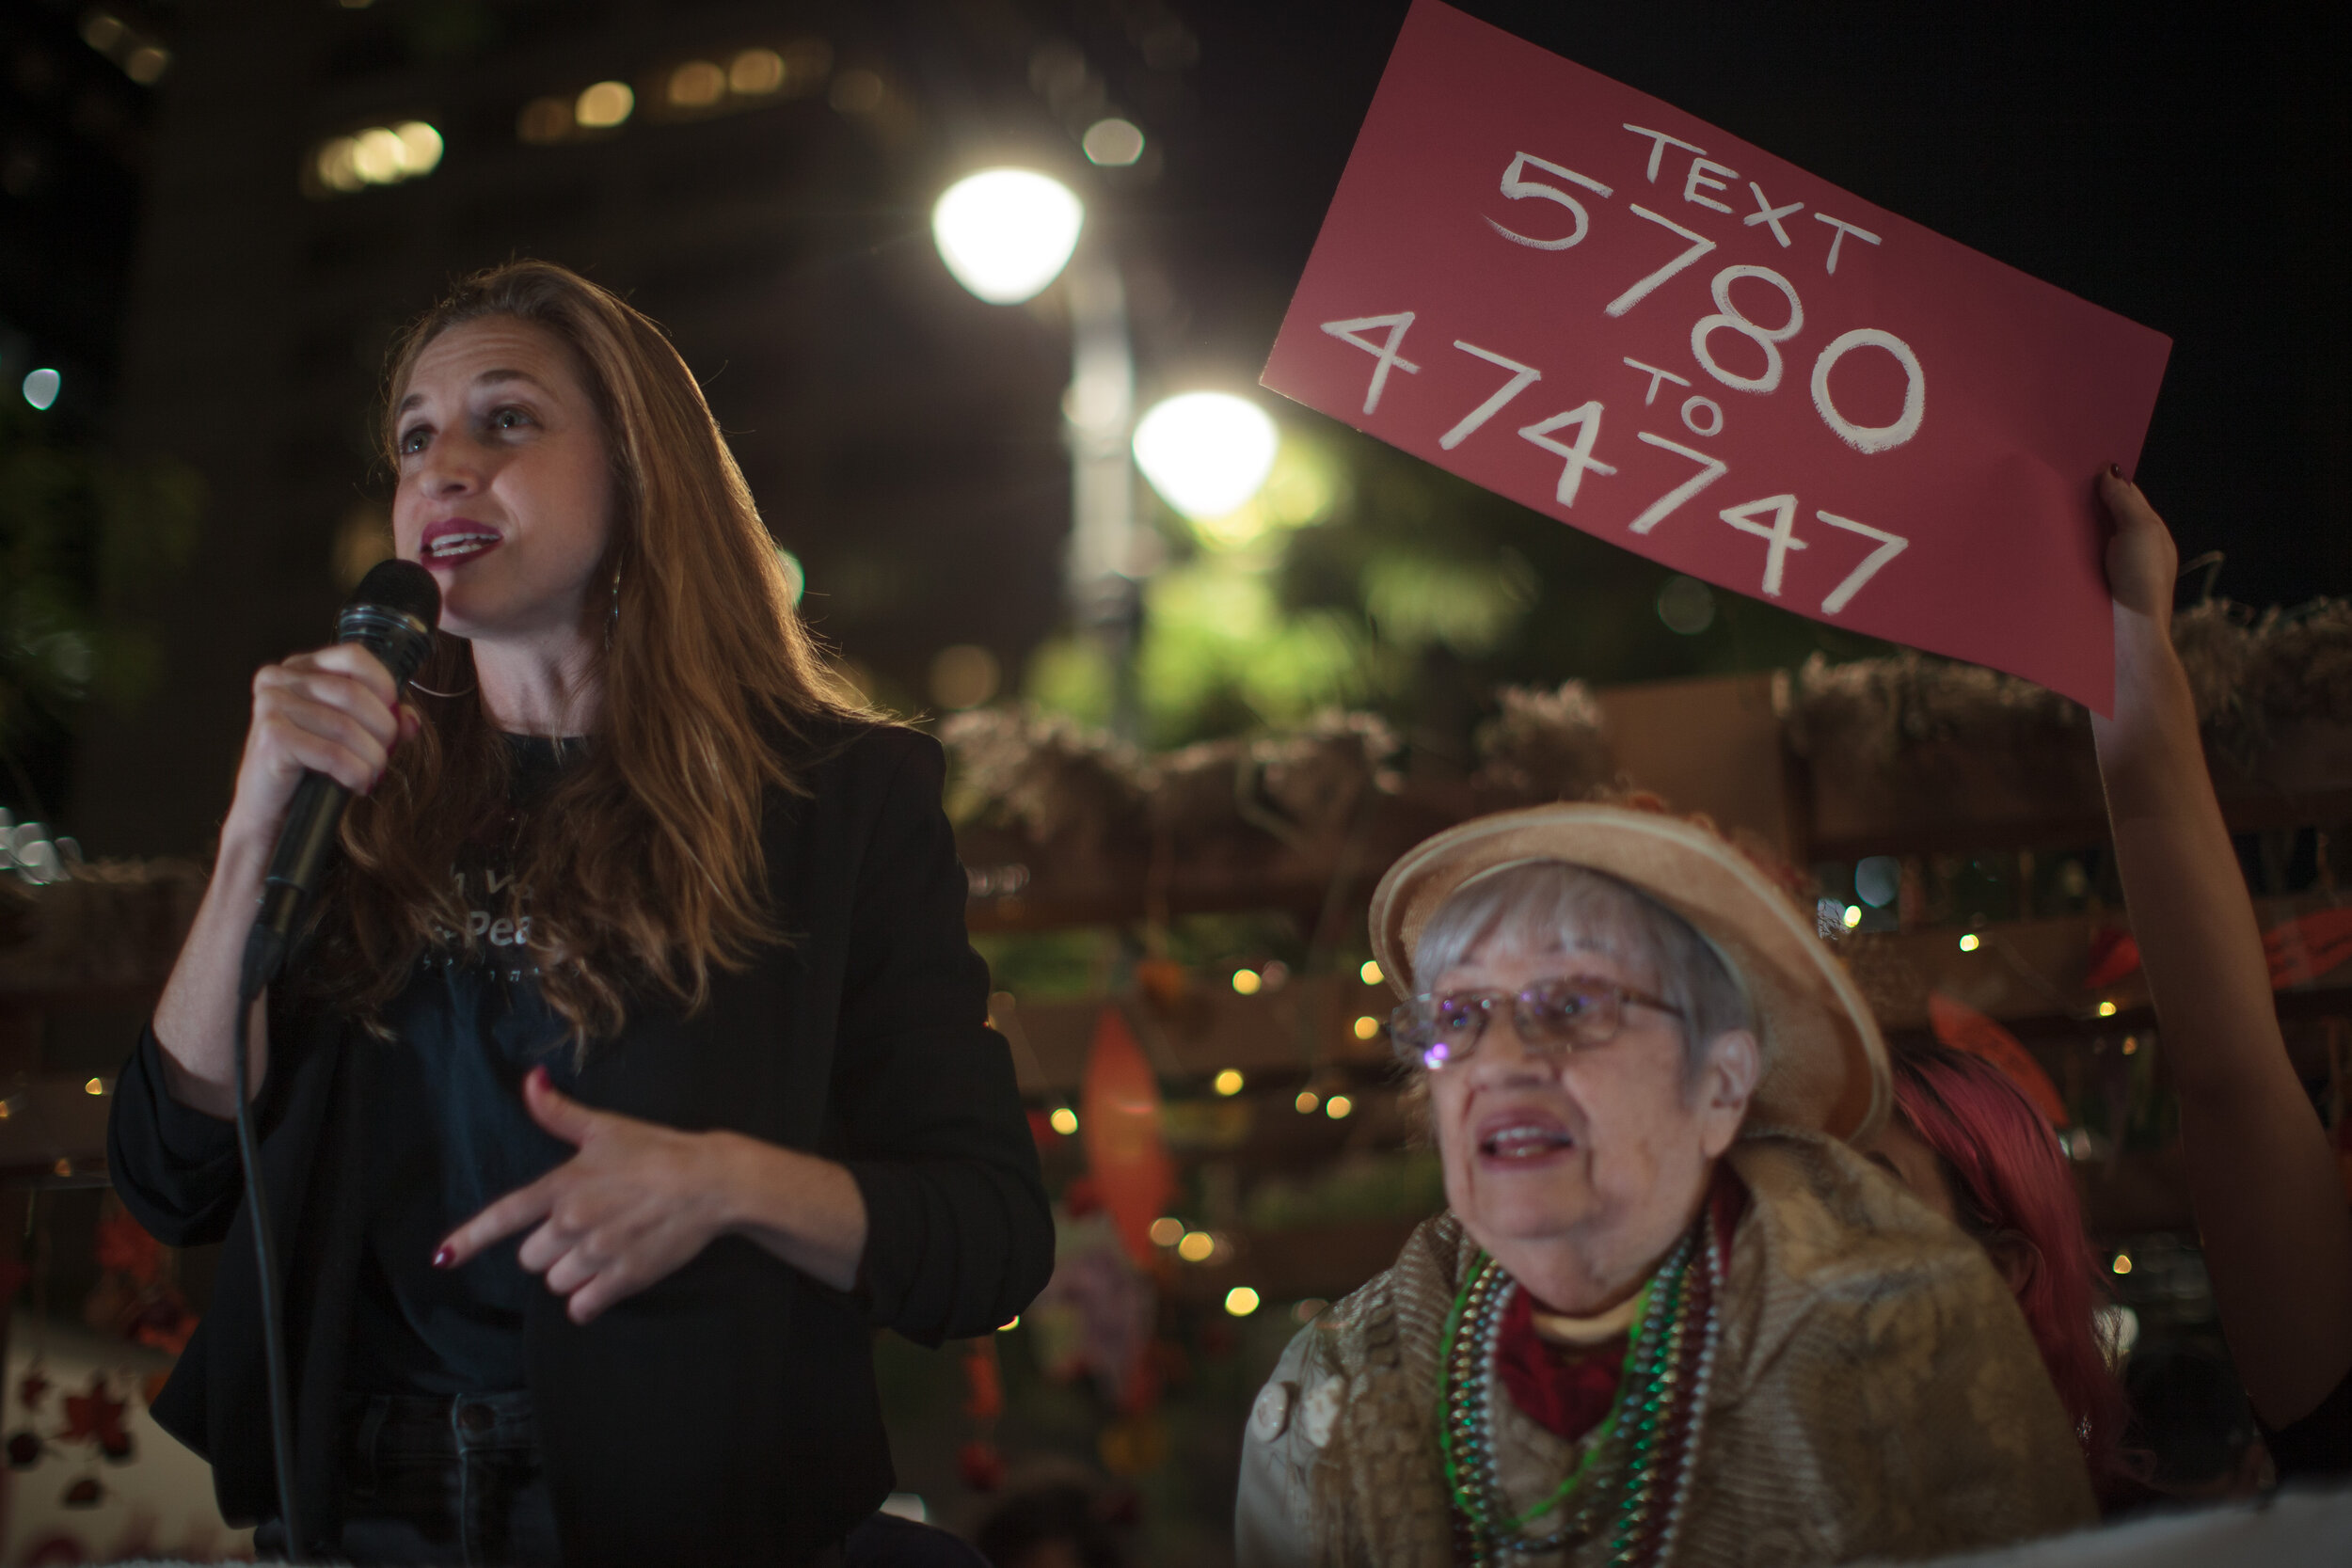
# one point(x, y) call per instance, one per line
point(75, 99)
point(756, 177)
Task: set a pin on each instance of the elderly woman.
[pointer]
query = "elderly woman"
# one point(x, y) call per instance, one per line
point(1667, 1314)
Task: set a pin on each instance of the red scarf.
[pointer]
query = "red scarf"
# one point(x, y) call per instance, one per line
point(1568, 1389)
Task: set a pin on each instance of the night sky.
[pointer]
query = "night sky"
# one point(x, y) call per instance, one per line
point(2184, 168)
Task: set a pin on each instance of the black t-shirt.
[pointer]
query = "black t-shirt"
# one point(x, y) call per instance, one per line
point(446, 1133)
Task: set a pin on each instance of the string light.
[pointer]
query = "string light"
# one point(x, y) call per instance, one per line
point(1241, 1301)
point(1338, 1107)
point(1195, 1246)
point(1167, 1230)
point(1246, 982)
point(1229, 1082)
point(1306, 1101)
point(1064, 1121)
point(1968, 942)
point(2123, 1262)
point(1371, 973)
point(2106, 1009)
point(1367, 1027)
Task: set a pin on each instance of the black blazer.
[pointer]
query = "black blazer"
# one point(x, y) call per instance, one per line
point(728, 1414)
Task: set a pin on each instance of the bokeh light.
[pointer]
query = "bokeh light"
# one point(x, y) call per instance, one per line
point(1370, 974)
point(755, 73)
point(697, 84)
point(1006, 233)
point(41, 387)
point(544, 121)
point(1306, 1102)
point(1206, 452)
point(1686, 605)
point(1114, 142)
point(1246, 982)
point(1195, 1246)
point(1241, 1301)
point(1367, 1027)
point(1339, 1107)
point(963, 675)
point(1167, 1230)
point(380, 156)
point(604, 104)
point(1229, 1082)
point(1064, 1121)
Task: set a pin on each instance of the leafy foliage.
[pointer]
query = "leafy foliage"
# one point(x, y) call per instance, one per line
point(1365, 577)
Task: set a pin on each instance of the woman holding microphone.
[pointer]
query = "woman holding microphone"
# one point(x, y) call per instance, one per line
point(633, 1064)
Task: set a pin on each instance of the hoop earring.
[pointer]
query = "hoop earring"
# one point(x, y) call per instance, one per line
point(461, 691)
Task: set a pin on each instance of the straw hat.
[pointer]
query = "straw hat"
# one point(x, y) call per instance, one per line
point(1825, 1060)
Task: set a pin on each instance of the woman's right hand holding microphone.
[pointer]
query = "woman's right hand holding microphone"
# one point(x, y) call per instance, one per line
point(335, 712)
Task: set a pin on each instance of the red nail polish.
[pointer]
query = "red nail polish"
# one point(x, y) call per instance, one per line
point(444, 1258)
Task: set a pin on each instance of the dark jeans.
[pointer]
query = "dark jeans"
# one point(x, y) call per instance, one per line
point(457, 1481)
point(440, 1481)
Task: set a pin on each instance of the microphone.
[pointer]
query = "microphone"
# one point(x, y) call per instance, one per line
point(391, 614)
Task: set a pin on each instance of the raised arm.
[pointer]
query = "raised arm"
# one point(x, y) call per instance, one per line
point(169, 1142)
point(2269, 1204)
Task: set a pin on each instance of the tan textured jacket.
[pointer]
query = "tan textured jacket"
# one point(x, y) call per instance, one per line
point(1876, 1394)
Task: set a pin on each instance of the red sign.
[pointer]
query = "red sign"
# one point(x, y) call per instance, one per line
point(1579, 297)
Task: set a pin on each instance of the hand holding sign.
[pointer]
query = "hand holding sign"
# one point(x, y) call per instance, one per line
point(1573, 295)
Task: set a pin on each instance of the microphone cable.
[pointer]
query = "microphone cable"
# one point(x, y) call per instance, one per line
point(391, 614)
point(265, 1264)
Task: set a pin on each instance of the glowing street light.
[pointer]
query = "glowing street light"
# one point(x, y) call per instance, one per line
point(1206, 452)
point(1006, 233)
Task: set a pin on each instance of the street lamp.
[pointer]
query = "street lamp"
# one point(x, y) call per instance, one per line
point(1006, 233)
point(1206, 452)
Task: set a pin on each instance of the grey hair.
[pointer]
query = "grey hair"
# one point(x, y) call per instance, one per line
point(1551, 906)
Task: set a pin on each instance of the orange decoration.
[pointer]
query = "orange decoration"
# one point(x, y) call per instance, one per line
point(2113, 955)
point(984, 1384)
point(1119, 1119)
point(1962, 1028)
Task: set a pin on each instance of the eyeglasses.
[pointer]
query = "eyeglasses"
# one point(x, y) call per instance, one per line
point(1555, 1017)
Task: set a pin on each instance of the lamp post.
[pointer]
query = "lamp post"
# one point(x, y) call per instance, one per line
point(1006, 234)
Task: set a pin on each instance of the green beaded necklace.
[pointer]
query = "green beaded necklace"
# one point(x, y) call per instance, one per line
point(1637, 1455)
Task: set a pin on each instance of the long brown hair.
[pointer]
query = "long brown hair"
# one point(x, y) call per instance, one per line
point(643, 862)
